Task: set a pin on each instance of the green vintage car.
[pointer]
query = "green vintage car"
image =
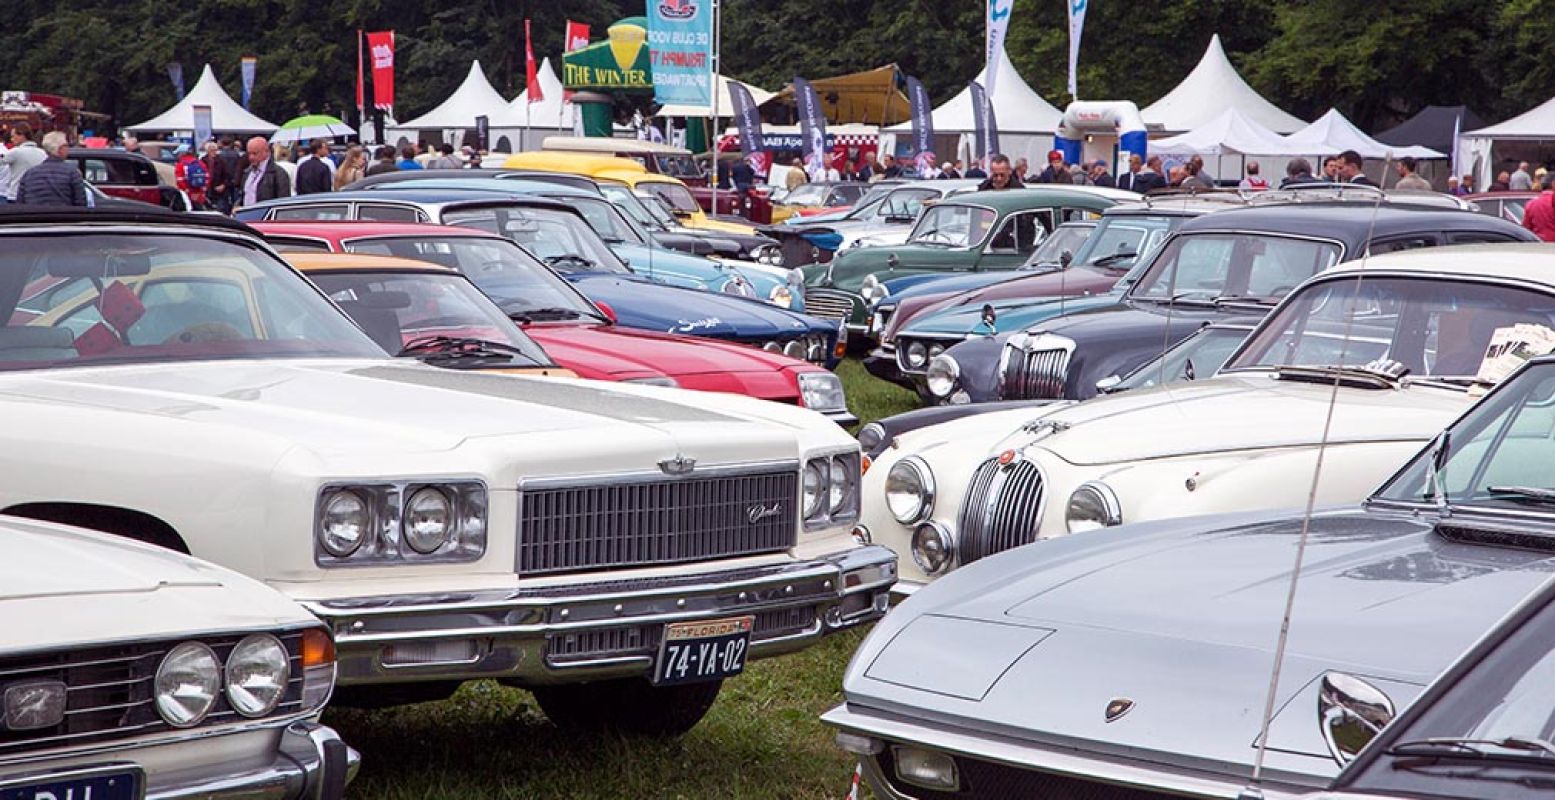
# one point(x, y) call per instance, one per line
point(985, 231)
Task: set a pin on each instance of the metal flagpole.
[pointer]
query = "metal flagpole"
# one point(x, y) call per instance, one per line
point(712, 128)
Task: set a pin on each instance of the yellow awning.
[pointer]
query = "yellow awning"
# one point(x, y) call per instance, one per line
point(869, 97)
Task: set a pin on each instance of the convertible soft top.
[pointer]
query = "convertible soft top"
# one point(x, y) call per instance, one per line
point(117, 215)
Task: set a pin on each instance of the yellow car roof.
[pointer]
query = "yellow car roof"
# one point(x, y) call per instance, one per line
point(330, 262)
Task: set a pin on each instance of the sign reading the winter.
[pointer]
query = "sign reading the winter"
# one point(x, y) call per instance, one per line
point(619, 62)
point(680, 47)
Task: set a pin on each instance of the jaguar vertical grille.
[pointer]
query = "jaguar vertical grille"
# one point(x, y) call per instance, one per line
point(828, 304)
point(1002, 509)
point(642, 523)
point(1033, 374)
point(110, 693)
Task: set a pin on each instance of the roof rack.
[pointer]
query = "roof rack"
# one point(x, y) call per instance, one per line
point(1230, 197)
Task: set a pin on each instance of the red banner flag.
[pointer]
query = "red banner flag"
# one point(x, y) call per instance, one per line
point(577, 36)
point(380, 47)
point(531, 76)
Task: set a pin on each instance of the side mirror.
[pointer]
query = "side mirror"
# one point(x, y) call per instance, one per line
point(1108, 384)
point(1065, 259)
point(892, 262)
point(604, 308)
point(1351, 712)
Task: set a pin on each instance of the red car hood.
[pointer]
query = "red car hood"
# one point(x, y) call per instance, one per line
point(1068, 282)
point(608, 352)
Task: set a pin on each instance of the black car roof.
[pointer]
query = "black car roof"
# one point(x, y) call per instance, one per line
point(140, 214)
point(106, 152)
point(1350, 222)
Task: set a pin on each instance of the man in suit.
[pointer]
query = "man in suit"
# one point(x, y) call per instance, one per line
point(261, 180)
point(1349, 169)
point(313, 174)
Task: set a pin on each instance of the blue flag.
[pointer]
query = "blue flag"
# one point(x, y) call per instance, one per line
point(747, 117)
point(812, 123)
point(680, 50)
point(922, 117)
point(984, 123)
point(175, 71)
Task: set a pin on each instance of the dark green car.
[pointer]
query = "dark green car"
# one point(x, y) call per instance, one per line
point(985, 231)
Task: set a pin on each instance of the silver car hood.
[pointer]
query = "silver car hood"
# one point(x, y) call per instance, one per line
point(1181, 617)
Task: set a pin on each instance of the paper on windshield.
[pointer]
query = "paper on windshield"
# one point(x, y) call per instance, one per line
point(1511, 347)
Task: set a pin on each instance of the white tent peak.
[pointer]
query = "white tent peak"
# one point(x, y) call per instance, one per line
point(472, 99)
point(1536, 123)
point(1018, 108)
point(1212, 87)
point(1230, 132)
point(227, 115)
point(551, 110)
point(725, 102)
point(1334, 133)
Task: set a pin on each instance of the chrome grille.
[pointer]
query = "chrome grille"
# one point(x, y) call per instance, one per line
point(643, 640)
point(1033, 374)
point(828, 304)
point(1002, 509)
point(110, 691)
point(642, 523)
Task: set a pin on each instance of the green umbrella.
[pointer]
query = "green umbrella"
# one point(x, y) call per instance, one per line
point(312, 126)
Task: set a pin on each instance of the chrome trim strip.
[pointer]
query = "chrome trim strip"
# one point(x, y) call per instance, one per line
point(651, 476)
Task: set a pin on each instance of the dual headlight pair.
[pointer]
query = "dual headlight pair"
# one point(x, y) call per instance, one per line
point(375, 523)
point(872, 290)
point(806, 348)
point(831, 489)
point(769, 254)
point(917, 354)
point(909, 494)
point(191, 677)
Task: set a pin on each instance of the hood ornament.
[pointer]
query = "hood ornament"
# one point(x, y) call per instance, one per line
point(1117, 707)
point(679, 465)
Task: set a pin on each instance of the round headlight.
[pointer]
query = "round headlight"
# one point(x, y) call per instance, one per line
point(794, 349)
point(815, 354)
point(187, 683)
point(257, 671)
point(844, 479)
point(933, 548)
point(343, 524)
point(738, 286)
point(781, 296)
point(909, 490)
point(871, 436)
point(1091, 507)
point(814, 488)
point(942, 376)
point(935, 349)
point(917, 355)
point(773, 347)
point(428, 520)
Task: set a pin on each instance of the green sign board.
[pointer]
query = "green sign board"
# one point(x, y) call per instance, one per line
point(619, 62)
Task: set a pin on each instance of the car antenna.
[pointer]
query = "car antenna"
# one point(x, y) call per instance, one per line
point(1253, 791)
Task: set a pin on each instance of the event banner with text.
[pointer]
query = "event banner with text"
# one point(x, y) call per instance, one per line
point(680, 47)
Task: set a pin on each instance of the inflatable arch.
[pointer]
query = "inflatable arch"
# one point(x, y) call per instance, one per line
point(1103, 119)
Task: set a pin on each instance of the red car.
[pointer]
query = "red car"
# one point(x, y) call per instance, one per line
point(577, 334)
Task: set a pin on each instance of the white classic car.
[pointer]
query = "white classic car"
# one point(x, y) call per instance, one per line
point(130, 672)
point(1396, 341)
point(618, 549)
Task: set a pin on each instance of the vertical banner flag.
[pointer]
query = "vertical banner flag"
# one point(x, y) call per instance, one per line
point(380, 49)
point(998, 22)
point(680, 50)
point(531, 73)
point(482, 133)
point(175, 71)
point(922, 117)
point(249, 67)
point(202, 126)
point(747, 118)
point(1076, 27)
point(986, 126)
point(361, 101)
point(577, 39)
point(812, 124)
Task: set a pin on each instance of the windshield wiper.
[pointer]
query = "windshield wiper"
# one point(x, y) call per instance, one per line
point(1244, 298)
point(462, 347)
point(1525, 492)
point(529, 315)
point(569, 258)
point(1529, 749)
point(1107, 261)
point(1364, 377)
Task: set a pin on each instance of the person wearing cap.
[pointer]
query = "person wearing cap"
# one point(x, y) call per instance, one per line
point(183, 156)
point(1057, 171)
point(1099, 176)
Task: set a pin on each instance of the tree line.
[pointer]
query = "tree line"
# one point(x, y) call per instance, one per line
point(1378, 61)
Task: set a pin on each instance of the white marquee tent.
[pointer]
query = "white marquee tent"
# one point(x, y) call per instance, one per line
point(526, 124)
point(1229, 133)
point(227, 116)
point(1333, 133)
point(725, 104)
point(1473, 152)
point(472, 99)
point(1026, 121)
point(1210, 89)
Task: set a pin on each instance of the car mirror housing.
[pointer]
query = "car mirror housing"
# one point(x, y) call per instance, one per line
point(609, 312)
point(1351, 712)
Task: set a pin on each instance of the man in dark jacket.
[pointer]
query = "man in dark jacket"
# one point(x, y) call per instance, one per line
point(261, 180)
point(1000, 175)
point(218, 178)
point(55, 182)
point(1350, 169)
point(313, 175)
point(1057, 171)
point(384, 161)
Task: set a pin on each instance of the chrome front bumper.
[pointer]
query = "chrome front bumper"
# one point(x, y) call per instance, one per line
point(533, 636)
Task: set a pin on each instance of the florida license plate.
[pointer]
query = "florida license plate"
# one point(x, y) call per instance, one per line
point(112, 784)
point(701, 651)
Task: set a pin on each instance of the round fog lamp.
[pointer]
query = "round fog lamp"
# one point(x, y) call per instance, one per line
point(428, 520)
point(909, 490)
point(1092, 506)
point(794, 349)
point(257, 671)
point(187, 682)
point(942, 376)
point(933, 549)
point(343, 524)
point(773, 347)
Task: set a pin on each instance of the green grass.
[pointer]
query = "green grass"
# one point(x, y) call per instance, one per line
point(762, 739)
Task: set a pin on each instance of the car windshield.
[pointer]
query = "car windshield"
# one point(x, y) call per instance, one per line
point(1066, 239)
point(404, 308)
point(846, 194)
point(506, 273)
point(633, 206)
point(1434, 327)
point(1199, 356)
point(605, 219)
point(559, 238)
point(1122, 241)
point(806, 194)
point(1208, 266)
point(677, 196)
point(96, 298)
point(871, 200)
point(905, 203)
point(679, 166)
point(952, 226)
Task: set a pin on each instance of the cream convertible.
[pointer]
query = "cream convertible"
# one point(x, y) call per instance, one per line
point(1402, 335)
point(616, 549)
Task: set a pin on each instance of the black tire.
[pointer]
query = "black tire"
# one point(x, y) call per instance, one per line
point(629, 705)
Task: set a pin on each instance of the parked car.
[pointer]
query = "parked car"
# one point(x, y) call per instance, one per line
point(129, 176)
point(406, 291)
point(888, 215)
point(447, 526)
point(817, 197)
point(1506, 205)
point(979, 231)
point(676, 163)
point(1233, 262)
point(560, 236)
point(1137, 662)
point(1403, 336)
point(130, 672)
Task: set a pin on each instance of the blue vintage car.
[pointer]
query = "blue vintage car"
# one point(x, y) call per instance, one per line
point(559, 235)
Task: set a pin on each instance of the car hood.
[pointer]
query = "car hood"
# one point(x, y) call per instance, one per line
point(610, 350)
point(56, 581)
point(1010, 315)
point(654, 307)
point(1249, 411)
point(1041, 639)
point(1071, 282)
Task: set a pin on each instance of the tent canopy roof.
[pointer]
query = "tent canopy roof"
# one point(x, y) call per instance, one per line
point(473, 98)
point(1433, 127)
point(1333, 133)
point(227, 116)
point(868, 97)
point(1018, 108)
point(725, 104)
point(1230, 133)
point(1212, 87)
point(550, 111)
point(1537, 123)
